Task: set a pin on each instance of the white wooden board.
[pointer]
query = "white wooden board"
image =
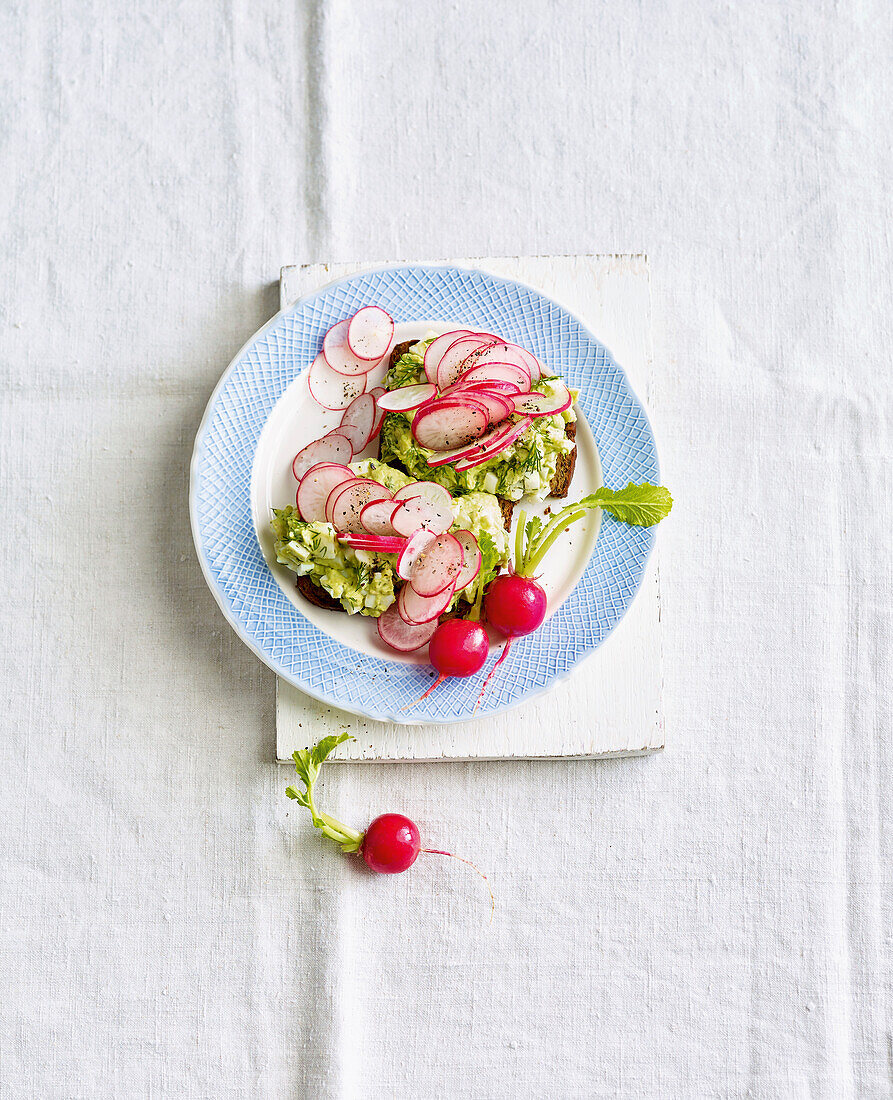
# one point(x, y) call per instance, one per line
point(611, 704)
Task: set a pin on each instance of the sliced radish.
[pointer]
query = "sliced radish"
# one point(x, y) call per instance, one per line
point(452, 362)
point(497, 405)
point(492, 385)
point(531, 362)
point(427, 490)
point(541, 404)
point(437, 566)
point(403, 636)
point(358, 421)
point(443, 458)
point(497, 446)
point(350, 502)
point(417, 513)
point(415, 609)
point(500, 372)
point(336, 490)
point(503, 352)
point(315, 487)
point(376, 517)
point(338, 354)
point(408, 397)
point(377, 392)
point(377, 544)
point(441, 425)
point(328, 449)
point(471, 564)
point(330, 389)
point(415, 544)
point(369, 333)
point(435, 351)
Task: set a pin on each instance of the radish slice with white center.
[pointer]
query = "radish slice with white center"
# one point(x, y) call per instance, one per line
point(369, 333)
point(442, 425)
point(376, 517)
point(379, 391)
point(501, 353)
point(471, 564)
point(435, 350)
point(427, 490)
point(452, 362)
point(408, 397)
point(350, 502)
point(437, 567)
point(358, 421)
point(493, 436)
point(498, 407)
point(375, 544)
point(415, 609)
point(415, 514)
point(415, 544)
point(529, 360)
point(315, 487)
point(330, 389)
point(379, 413)
point(328, 449)
point(405, 637)
point(336, 490)
point(541, 404)
point(492, 385)
point(500, 372)
point(338, 354)
point(497, 446)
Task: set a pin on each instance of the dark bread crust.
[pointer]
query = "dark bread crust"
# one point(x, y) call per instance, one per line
point(564, 468)
point(317, 595)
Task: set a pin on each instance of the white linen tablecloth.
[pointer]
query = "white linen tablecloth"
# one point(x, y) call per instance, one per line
point(711, 922)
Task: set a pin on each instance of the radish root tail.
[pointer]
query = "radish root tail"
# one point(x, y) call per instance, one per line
point(503, 655)
point(474, 867)
point(415, 703)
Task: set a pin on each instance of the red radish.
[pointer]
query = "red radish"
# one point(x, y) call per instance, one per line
point(315, 487)
point(358, 421)
point(336, 492)
point(458, 647)
point(416, 609)
point(436, 349)
point(338, 355)
point(350, 502)
point(442, 425)
point(327, 449)
point(392, 842)
point(407, 398)
point(376, 517)
point(497, 406)
point(502, 353)
point(515, 605)
point(540, 404)
point(452, 362)
point(437, 566)
point(491, 385)
point(369, 333)
point(330, 389)
point(403, 636)
point(500, 372)
point(415, 544)
point(471, 564)
point(417, 513)
point(427, 490)
point(376, 544)
point(497, 446)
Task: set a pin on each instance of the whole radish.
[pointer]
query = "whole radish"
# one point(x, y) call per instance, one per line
point(458, 647)
point(390, 845)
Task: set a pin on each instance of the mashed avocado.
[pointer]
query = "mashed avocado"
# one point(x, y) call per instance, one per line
point(525, 468)
point(364, 581)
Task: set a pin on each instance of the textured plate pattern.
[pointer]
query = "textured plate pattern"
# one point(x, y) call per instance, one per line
point(224, 532)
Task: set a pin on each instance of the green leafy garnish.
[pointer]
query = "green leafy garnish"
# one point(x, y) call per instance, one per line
point(490, 562)
point(639, 505)
point(307, 764)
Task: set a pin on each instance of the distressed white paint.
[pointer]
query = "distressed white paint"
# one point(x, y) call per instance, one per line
point(611, 703)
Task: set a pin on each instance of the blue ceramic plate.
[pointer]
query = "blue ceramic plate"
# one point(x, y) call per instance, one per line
point(241, 467)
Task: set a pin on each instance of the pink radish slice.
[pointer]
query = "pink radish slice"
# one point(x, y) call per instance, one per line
point(435, 350)
point(415, 544)
point(338, 354)
point(376, 517)
point(376, 544)
point(378, 392)
point(330, 389)
point(493, 385)
point(379, 413)
point(531, 362)
point(500, 372)
point(497, 406)
point(315, 487)
point(333, 495)
point(403, 636)
point(441, 425)
point(408, 397)
point(328, 449)
point(350, 502)
point(471, 564)
point(417, 513)
point(358, 421)
point(427, 490)
point(438, 566)
point(369, 333)
point(415, 609)
point(540, 404)
point(501, 353)
point(497, 446)
point(452, 362)
point(443, 458)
